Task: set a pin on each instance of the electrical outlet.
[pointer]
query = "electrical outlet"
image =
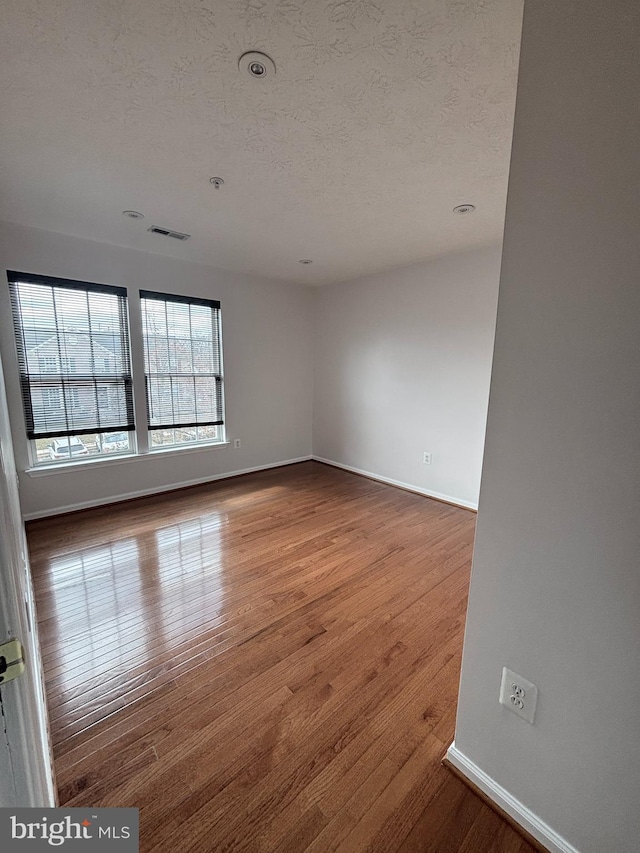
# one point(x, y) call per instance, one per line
point(518, 694)
point(426, 458)
point(237, 444)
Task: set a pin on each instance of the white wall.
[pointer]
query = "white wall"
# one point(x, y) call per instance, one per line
point(268, 372)
point(402, 366)
point(555, 591)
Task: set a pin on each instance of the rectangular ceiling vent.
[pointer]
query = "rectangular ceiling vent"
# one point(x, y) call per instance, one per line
point(166, 232)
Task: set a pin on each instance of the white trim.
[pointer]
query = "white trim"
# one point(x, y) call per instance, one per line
point(24, 743)
point(46, 470)
point(187, 447)
point(407, 486)
point(523, 816)
point(154, 490)
point(99, 461)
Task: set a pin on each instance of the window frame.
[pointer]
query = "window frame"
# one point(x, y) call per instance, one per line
point(217, 356)
point(70, 384)
point(140, 436)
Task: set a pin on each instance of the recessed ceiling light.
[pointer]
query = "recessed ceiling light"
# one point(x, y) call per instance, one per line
point(217, 182)
point(133, 214)
point(464, 208)
point(257, 65)
point(305, 261)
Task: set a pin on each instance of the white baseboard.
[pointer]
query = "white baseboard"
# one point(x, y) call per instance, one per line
point(523, 816)
point(407, 486)
point(154, 490)
point(210, 478)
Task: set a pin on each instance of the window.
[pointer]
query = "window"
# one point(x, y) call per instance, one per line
point(66, 331)
point(47, 364)
point(183, 369)
point(72, 341)
point(51, 398)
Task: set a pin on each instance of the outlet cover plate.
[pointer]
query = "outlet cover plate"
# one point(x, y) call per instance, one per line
point(516, 691)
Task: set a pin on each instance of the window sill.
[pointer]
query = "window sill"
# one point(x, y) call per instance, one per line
point(48, 470)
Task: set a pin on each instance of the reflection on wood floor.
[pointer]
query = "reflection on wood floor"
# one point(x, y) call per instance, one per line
point(268, 663)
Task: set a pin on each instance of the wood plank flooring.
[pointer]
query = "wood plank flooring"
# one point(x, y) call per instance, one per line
point(268, 663)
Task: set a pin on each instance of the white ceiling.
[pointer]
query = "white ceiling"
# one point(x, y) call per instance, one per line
point(382, 116)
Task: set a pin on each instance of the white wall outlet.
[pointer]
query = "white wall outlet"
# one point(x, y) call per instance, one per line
point(426, 458)
point(518, 694)
point(237, 444)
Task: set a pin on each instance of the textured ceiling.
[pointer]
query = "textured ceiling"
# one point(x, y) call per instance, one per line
point(382, 117)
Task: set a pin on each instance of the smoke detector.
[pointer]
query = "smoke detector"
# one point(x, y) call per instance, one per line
point(216, 182)
point(464, 208)
point(133, 214)
point(305, 261)
point(257, 65)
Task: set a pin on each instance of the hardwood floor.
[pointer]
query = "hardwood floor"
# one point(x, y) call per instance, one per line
point(268, 663)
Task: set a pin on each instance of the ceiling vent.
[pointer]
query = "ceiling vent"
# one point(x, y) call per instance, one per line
point(166, 232)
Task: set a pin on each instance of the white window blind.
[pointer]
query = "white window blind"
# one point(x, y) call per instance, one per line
point(66, 332)
point(183, 361)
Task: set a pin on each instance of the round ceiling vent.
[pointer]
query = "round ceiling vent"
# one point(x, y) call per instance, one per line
point(464, 208)
point(216, 182)
point(257, 65)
